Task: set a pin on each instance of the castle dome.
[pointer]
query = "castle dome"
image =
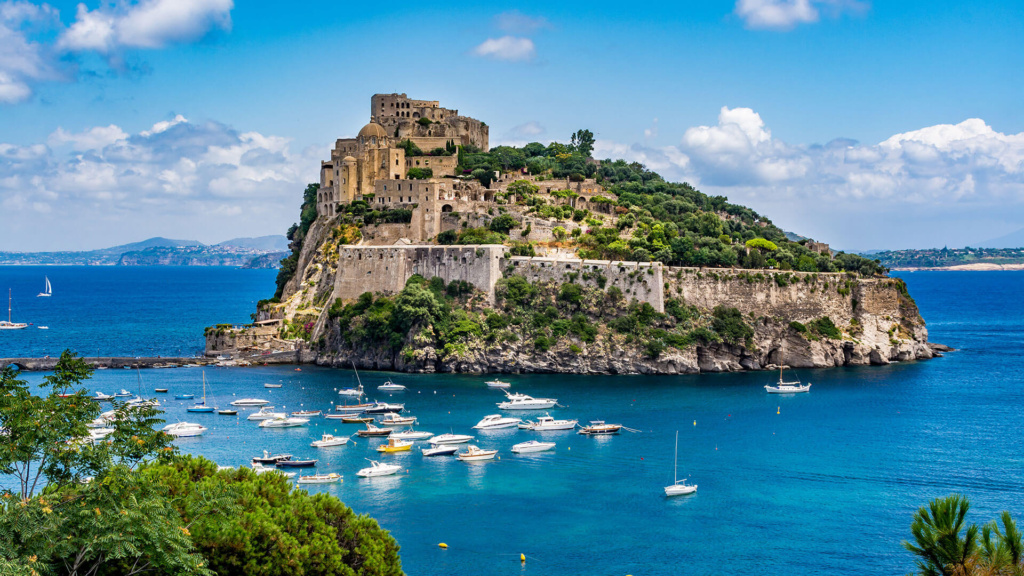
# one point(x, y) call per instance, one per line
point(348, 160)
point(372, 130)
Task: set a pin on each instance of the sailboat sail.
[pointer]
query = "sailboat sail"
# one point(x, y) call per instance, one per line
point(49, 289)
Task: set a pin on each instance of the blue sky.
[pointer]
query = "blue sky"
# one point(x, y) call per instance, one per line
point(863, 124)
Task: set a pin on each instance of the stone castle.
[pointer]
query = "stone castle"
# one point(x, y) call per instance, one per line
point(374, 167)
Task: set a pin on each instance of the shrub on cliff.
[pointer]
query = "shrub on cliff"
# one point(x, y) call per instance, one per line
point(825, 327)
point(502, 224)
point(729, 324)
point(420, 173)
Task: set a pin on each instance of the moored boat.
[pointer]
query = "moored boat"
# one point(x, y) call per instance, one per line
point(227, 412)
point(524, 402)
point(783, 387)
point(261, 469)
point(320, 478)
point(329, 440)
point(395, 445)
point(265, 413)
point(284, 422)
point(532, 446)
point(497, 384)
point(10, 324)
point(390, 386)
point(351, 419)
point(497, 421)
point(440, 450)
point(450, 439)
point(392, 419)
point(678, 487)
point(269, 385)
point(384, 408)
point(295, 463)
point(250, 402)
point(599, 428)
point(269, 458)
point(352, 408)
point(184, 429)
point(372, 430)
point(184, 396)
point(547, 424)
point(475, 454)
point(307, 413)
point(377, 469)
point(411, 434)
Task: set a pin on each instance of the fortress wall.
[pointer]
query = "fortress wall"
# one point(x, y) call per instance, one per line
point(441, 165)
point(640, 280)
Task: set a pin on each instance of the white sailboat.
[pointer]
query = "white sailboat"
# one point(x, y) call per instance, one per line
point(678, 487)
point(786, 387)
point(8, 324)
point(48, 291)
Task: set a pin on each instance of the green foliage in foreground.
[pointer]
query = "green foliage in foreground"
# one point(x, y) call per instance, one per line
point(945, 545)
point(129, 505)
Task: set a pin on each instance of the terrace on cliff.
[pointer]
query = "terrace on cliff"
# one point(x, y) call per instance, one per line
point(624, 240)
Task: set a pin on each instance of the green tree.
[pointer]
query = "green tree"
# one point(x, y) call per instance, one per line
point(559, 232)
point(943, 543)
point(503, 223)
point(583, 142)
point(420, 173)
point(484, 175)
point(762, 244)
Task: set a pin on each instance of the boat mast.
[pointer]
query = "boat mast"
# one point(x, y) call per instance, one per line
point(9, 306)
point(357, 374)
point(675, 466)
point(204, 387)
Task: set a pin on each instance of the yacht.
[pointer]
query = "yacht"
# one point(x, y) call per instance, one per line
point(329, 440)
point(47, 291)
point(497, 421)
point(547, 423)
point(411, 435)
point(524, 402)
point(450, 439)
point(532, 446)
point(372, 430)
point(384, 408)
point(320, 478)
point(474, 454)
point(351, 419)
point(295, 463)
point(284, 422)
point(99, 433)
point(269, 458)
point(353, 408)
point(307, 413)
point(390, 386)
point(261, 469)
point(783, 387)
point(679, 487)
point(377, 469)
point(123, 394)
point(392, 419)
point(101, 397)
point(356, 392)
point(599, 428)
point(394, 445)
point(439, 450)
point(201, 406)
point(269, 385)
point(266, 413)
point(250, 402)
point(8, 324)
point(497, 384)
point(185, 429)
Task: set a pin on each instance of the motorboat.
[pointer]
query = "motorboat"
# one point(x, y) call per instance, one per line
point(307, 413)
point(123, 394)
point(9, 324)
point(269, 458)
point(295, 463)
point(355, 392)
point(547, 423)
point(474, 454)
point(352, 419)
point(139, 402)
point(269, 385)
point(261, 469)
point(439, 450)
point(450, 439)
point(497, 384)
point(532, 446)
point(393, 419)
point(384, 408)
point(265, 413)
point(497, 421)
point(352, 408)
point(678, 487)
point(100, 433)
point(377, 469)
point(160, 390)
point(372, 430)
point(783, 387)
point(524, 402)
point(184, 396)
point(101, 397)
point(250, 402)
point(329, 440)
point(198, 407)
point(227, 412)
point(599, 428)
point(185, 429)
point(284, 422)
point(390, 386)
point(320, 478)
point(411, 435)
point(394, 445)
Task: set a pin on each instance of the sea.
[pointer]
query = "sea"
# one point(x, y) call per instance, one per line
point(818, 483)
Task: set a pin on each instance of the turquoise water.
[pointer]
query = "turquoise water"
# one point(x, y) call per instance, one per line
point(820, 483)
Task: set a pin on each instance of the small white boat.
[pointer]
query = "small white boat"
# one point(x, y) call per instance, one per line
point(101, 397)
point(524, 402)
point(307, 413)
point(384, 408)
point(599, 428)
point(99, 433)
point(377, 469)
point(9, 324)
point(679, 487)
point(320, 478)
point(411, 435)
point(475, 454)
point(48, 291)
point(329, 440)
point(43, 327)
point(269, 385)
point(396, 420)
point(532, 446)
point(185, 429)
point(441, 450)
point(356, 392)
point(390, 386)
point(250, 402)
point(783, 387)
point(262, 469)
point(123, 394)
point(374, 431)
point(284, 422)
point(266, 413)
point(450, 439)
point(547, 424)
point(497, 384)
point(497, 421)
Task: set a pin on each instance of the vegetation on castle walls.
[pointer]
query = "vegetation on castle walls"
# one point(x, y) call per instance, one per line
point(419, 173)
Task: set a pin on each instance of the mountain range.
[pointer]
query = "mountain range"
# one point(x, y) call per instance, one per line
point(161, 251)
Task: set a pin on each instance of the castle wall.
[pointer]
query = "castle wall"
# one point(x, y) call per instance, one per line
point(441, 165)
point(642, 281)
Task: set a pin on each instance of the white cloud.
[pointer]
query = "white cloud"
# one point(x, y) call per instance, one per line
point(786, 14)
point(516, 22)
point(23, 61)
point(200, 180)
point(527, 130)
point(510, 48)
point(146, 24)
point(652, 132)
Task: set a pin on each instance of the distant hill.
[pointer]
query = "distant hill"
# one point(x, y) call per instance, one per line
point(157, 252)
point(1011, 240)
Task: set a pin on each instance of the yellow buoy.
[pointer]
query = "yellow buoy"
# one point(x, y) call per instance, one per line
point(778, 410)
point(522, 557)
point(694, 422)
point(442, 545)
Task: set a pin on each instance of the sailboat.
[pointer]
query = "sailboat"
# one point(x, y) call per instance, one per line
point(678, 487)
point(201, 406)
point(48, 291)
point(353, 391)
point(786, 387)
point(7, 324)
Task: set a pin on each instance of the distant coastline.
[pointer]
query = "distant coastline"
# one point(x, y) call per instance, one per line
point(976, 267)
point(263, 252)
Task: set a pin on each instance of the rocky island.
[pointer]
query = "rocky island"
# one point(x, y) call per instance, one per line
point(421, 249)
